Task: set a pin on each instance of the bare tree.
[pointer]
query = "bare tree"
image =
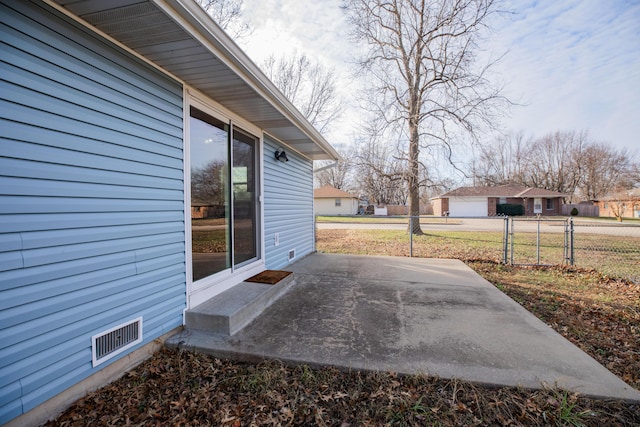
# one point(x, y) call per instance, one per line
point(501, 161)
point(336, 174)
point(310, 86)
point(207, 184)
point(422, 62)
point(634, 174)
point(228, 15)
point(618, 209)
point(432, 185)
point(603, 169)
point(569, 162)
point(381, 174)
point(623, 201)
point(554, 161)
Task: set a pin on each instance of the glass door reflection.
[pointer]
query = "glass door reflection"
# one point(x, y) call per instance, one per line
point(245, 206)
point(210, 215)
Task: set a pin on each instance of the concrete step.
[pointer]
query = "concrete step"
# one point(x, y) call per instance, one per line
point(233, 309)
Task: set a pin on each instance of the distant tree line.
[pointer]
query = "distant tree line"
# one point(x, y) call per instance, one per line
point(569, 162)
point(566, 161)
point(377, 170)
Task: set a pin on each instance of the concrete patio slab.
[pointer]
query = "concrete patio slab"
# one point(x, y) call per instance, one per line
point(410, 315)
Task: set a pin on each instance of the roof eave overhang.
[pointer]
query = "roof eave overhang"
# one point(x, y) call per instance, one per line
point(222, 72)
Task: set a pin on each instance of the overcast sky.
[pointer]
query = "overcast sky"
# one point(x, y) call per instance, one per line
point(574, 64)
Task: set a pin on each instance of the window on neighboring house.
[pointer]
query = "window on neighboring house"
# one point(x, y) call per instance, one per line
point(503, 201)
point(550, 204)
point(338, 202)
point(606, 205)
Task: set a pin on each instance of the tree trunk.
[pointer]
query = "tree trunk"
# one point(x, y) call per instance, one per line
point(413, 180)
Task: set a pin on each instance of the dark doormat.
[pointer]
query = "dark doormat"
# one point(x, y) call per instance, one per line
point(269, 277)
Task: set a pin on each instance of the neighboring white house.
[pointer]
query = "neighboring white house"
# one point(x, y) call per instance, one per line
point(138, 179)
point(329, 200)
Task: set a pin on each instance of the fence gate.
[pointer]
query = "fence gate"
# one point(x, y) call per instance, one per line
point(538, 241)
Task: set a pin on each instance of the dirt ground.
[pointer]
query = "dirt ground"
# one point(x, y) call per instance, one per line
point(598, 313)
point(187, 389)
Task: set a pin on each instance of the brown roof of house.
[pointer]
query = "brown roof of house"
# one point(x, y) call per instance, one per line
point(330, 192)
point(541, 192)
point(502, 191)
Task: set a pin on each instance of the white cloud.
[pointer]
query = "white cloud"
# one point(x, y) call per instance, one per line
point(315, 28)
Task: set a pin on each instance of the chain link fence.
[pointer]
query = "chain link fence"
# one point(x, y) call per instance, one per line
point(537, 241)
point(609, 247)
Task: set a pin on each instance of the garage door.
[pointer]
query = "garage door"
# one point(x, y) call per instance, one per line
point(468, 206)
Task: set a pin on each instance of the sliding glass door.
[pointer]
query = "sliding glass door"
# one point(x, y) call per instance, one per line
point(244, 197)
point(224, 208)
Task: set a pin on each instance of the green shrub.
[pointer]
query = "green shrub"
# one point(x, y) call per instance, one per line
point(574, 212)
point(510, 209)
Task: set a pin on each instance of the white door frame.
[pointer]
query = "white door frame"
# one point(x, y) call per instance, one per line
point(208, 287)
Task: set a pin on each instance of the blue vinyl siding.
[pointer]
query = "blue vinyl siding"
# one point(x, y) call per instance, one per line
point(91, 201)
point(288, 206)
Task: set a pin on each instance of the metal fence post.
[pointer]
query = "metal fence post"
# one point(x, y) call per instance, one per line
point(505, 249)
point(538, 243)
point(566, 241)
point(571, 259)
point(512, 243)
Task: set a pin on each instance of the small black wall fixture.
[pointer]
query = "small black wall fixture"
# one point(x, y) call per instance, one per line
point(281, 155)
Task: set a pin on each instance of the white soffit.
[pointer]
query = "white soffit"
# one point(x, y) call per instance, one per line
point(179, 37)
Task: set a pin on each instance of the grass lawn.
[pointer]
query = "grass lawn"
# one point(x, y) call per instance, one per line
point(611, 255)
point(371, 219)
point(599, 313)
point(433, 244)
